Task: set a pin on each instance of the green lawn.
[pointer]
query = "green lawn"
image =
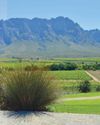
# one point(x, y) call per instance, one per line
point(70, 75)
point(90, 94)
point(71, 86)
point(79, 106)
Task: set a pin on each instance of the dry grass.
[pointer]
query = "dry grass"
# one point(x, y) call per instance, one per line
point(31, 90)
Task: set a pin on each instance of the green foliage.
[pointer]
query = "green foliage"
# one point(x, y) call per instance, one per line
point(74, 66)
point(28, 90)
point(70, 66)
point(71, 87)
point(98, 88)
point(85, 86)
point(54, 67)
point(95, 66)
point(63, 66)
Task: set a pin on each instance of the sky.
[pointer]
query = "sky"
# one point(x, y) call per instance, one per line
point(84, 12)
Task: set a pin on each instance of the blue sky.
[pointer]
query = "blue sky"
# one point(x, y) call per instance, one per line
point(84, 12)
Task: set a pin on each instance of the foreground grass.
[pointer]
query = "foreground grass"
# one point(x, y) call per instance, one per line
point(79, 106)
point(27, 91)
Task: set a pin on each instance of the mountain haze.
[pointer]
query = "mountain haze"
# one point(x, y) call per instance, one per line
point(55, 37)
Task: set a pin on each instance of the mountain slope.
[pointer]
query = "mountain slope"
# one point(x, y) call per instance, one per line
point(57, 37)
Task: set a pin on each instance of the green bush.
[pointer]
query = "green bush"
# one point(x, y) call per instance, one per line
point(63, 66)
point(54, 67)
point(85, 86)
point(91, 66)
point(97, 66)
point(28, 90)
point(74, 66)
point(70, 66)
point(98, 88)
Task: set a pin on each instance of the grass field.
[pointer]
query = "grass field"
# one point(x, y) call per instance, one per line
point(14, 62)
point(78, 95)
point(71, 86)
point(22, 64)
point(95, 59)
point(78, 106)
point(70, 75)
point(69, 80)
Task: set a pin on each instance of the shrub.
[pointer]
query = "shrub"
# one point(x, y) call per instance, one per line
point(63, 66)
point(84, 86)
point(70, 66)
point(31, 90)
point(98, 88)
point(91, 66)
point(97, 66)
point(54, 67)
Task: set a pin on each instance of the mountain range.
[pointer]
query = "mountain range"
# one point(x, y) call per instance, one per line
point(47, 38)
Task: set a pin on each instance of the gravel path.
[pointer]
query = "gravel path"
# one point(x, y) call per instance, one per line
point(80, 98)
point(47, 118)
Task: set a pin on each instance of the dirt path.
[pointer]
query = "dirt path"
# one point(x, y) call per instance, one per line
point(80, 98)
point(93, 77)
point(47, 118)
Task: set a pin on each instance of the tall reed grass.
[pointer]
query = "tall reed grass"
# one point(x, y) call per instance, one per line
point(28, 90)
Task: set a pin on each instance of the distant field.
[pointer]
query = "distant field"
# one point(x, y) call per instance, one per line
point(14, 65)
point(95, 59)
point(78, 106)
point(14, 62)
point(70, 75)
point(9, 63)
point(7, 59)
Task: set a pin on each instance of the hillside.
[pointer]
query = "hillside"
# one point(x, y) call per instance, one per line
point(55, 37)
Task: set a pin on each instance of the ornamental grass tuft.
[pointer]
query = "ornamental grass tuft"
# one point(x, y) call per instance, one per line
point(28, 90)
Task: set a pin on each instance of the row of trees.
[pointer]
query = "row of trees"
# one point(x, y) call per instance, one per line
point(74, 66)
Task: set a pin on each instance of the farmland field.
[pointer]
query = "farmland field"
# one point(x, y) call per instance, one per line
point(14, 62)
point(68, 81)
point(70, 75)
point(79, 60)
point(71, 86)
